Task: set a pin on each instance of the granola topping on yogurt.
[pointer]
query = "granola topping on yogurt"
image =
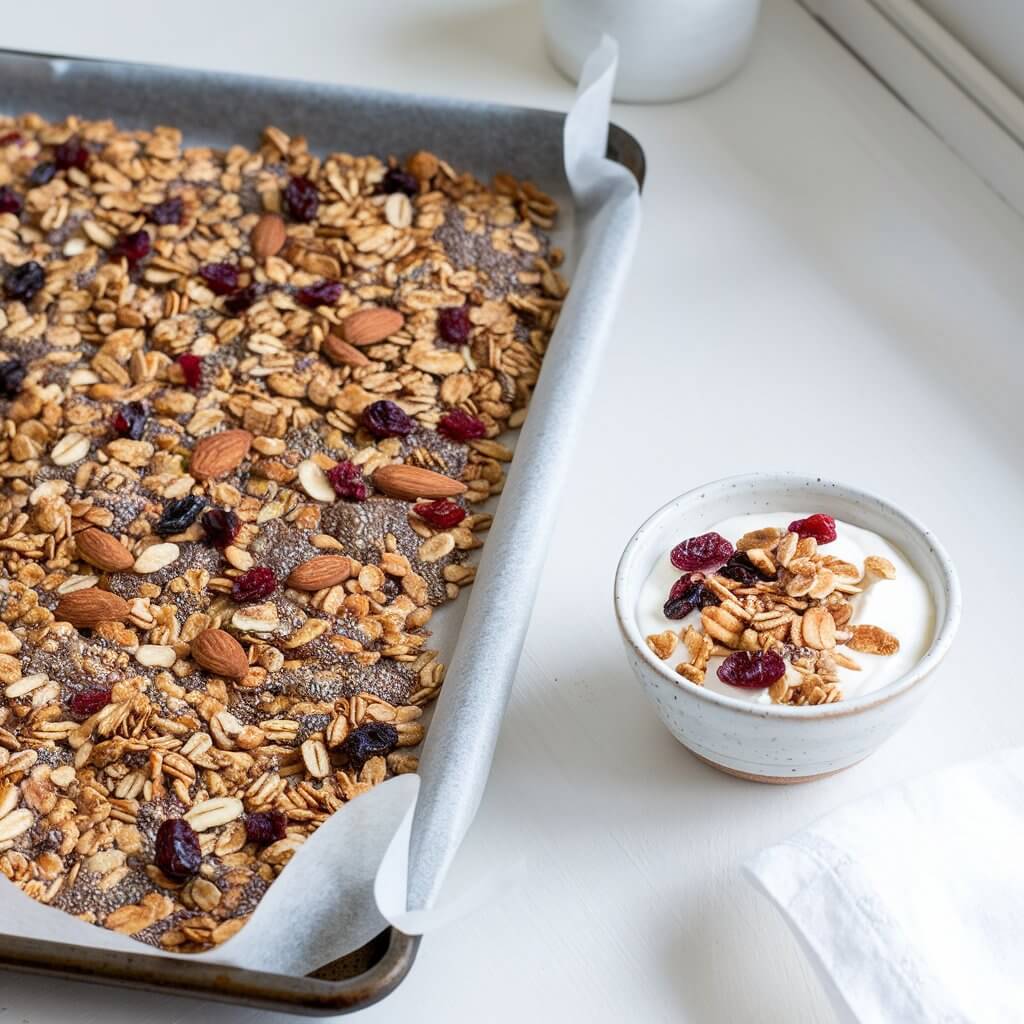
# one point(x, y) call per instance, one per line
point(786, 608)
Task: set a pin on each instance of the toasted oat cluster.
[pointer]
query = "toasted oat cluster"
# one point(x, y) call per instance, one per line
point(778, 611)
point(250, 400)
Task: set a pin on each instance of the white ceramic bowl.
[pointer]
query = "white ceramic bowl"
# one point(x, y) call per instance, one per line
point(771, 742)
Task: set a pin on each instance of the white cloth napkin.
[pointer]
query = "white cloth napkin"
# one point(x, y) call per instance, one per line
point(910, 903)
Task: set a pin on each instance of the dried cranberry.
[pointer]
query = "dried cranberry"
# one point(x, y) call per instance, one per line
point(221, 278)
point(453, 324)
point(221, 526)
point(179, 514)
point(71, 154)
point(170, 211)
point(178, 854)
point(461, 426)
point(385, 419)
point(742, 570)
point(301, 199)
point(688, 593)
point(323, 293)
point(819, 526)
point(239, 302)
point(347, 480)
point(42, 174)
point(397, 180)
point(707, 551)
point(9, 138)
point(10, 201)
point(25, 281)
point(265, 827)
point(191, 369)
point(133, 246)
point(376, 739)
point(441, 514)
point(254, 585)
point(130, 420)
point(86, 703)
point(752, 669)
point(12, 376)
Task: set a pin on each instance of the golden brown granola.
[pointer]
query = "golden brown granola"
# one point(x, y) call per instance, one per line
point(186, 331)
point(794, 601)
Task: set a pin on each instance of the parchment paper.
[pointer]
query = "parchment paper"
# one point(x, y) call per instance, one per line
point(323, 904)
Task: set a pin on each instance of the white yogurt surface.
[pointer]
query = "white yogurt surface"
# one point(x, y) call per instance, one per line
point(902, 606)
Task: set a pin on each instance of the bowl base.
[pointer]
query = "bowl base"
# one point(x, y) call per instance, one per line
point(772, 780)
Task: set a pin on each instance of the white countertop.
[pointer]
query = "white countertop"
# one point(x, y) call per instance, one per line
point(798, 221)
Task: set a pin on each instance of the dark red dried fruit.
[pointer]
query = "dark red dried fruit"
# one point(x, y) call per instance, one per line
point(42, 174)
point(191, 370)
point(170, 211)
point(265, 827)
point(24, 282)
point(348, 481)
point(221, 526)
point(753, 670)
point(177, 853)
point(9, 138)
point(254, 585)
point(454, 325)
point(130, 420)
point(10, 201)
point(708, 551)
point(323, 293)
point(376, 739)
point(688, 593)
point(86, 703)
point(133, 246)
point(220, 278)
point(461, 426)
point(441, 514)
point(179, 514)
point(385, 419)
point(301, 199)
point(397, 180)
point(819, 526)
point(12, 376)
point(72, 153)
point(742, 570)
point(239, 302)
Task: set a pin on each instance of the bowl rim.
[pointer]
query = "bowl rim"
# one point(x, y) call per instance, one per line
point(944, 634)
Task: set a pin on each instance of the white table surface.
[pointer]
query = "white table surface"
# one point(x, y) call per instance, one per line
point(798, 221)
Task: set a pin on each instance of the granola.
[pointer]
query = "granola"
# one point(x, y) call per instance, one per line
point(776, 608)
point(226, 380)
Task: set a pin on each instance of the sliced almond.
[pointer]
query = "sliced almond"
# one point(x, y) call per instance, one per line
point(156, 655)
point(314, 481)
point(156, 557)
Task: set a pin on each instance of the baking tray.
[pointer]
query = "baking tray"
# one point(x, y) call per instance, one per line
point(212, 108)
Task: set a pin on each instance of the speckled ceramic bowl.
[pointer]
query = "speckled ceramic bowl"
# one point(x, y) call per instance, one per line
point(775, 743)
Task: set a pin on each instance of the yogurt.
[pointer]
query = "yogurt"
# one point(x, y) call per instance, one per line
point(901, 606)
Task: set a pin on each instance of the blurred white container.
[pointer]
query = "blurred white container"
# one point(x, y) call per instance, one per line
point(668, 49)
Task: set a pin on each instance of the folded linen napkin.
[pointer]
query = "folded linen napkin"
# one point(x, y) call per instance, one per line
point(910, 903)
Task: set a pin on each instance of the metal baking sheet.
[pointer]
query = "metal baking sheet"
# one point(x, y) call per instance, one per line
point(220, 110)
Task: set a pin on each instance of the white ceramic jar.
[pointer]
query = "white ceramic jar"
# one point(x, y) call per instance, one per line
point(668, 49)
point(773, 742)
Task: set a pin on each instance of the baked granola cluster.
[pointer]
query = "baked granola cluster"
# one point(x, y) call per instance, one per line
point(250, 400)
point(779, 611)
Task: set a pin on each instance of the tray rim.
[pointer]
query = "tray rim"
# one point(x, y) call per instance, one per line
point(303, 995)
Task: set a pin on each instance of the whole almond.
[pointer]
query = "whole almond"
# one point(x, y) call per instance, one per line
point(99, 548)
point(341, 353)
point(87, 608)
point(268, 236)
point(220, 653)
point(320, 572)
point(217, 455)
point(368, 326)
point(412, 482)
